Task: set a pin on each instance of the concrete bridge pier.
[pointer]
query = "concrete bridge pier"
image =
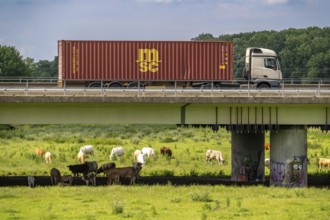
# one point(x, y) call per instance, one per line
point(248, 157)
point(288, 156)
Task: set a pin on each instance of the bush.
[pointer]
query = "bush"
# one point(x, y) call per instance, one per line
point(117, 207)
point(200, 197)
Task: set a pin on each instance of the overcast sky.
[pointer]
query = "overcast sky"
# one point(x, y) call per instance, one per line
point(35, 26)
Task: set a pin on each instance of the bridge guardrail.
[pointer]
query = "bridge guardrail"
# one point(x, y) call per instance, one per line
point(46, 86)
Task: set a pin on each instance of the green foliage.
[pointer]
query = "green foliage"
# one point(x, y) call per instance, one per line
point(11, 62)
point(304, 53)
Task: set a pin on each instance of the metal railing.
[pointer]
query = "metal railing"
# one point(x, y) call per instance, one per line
point(49, 87)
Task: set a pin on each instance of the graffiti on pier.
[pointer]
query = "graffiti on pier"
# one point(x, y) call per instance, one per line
point(247, 169)
point(277, 172)
point(290, 173)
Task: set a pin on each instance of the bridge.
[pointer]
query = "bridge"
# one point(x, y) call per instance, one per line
point(247, 113)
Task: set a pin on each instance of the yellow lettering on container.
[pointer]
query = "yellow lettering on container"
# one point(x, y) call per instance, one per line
point(148, 60)
point(75, 60)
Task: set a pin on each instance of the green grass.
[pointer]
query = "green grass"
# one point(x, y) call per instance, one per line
point(141, 201)
point(188, 145)
point(163, 202)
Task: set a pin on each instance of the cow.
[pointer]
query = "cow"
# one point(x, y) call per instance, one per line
point(214, 154)
point(89, 178)
point(106, 166)
point(31, 181)
point(48, 157)
point(81, 157)
point(55, 176)
point(87, 149)
point(166, 151)
point(92, 167)
point(132, 173)
point(39, 151)
point(267, 162)
point(79, 168)
point(323, 162)
point(141, 158)
point(148, 151)
point(267, 146)
point(66, 180)
point(116, 152)
point(136, 154)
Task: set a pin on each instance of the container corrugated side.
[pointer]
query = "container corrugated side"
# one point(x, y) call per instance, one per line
point(145, 60)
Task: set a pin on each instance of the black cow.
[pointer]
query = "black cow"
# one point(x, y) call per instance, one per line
point(106, 166)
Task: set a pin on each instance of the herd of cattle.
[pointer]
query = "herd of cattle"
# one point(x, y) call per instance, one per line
point(89, 170)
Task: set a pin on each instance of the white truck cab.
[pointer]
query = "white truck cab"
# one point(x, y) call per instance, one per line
point(262, 68)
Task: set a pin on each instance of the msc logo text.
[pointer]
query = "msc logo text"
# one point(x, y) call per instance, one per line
point(148, 60)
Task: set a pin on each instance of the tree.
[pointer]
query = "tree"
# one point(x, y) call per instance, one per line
point(11, 62)
point(45, 68)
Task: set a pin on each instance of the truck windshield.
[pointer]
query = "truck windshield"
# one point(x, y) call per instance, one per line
point(270, 63)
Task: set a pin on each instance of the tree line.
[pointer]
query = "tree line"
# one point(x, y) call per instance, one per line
point(304, 53)
point(12, 64)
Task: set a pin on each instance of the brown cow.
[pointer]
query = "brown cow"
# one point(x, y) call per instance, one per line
point(166, 151)
point(40, 151)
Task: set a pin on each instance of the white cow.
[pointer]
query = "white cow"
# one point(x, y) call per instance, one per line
point(116, 152)
point(214, 154)
point(81, 157)
point(148, 151)
point(141, 158)
point(48, 157)
point(267, 162)
point(136, 154)
point(87, 149)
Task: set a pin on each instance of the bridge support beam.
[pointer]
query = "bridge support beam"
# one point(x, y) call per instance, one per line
point(288, 157)
point(248, 157)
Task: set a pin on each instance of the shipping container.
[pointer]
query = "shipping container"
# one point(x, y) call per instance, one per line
point(144, 61)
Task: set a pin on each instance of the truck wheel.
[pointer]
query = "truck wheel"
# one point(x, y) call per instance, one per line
point(263, 86)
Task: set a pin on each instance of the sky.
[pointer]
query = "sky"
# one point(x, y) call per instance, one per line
point(35, 26)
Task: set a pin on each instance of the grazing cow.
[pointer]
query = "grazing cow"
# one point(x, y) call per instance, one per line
point(323, 162)
point(141, 158)
point(214, 154)
point(106, 166)
point(39, 151)
point(48, 157)
point(66, 180)
point(89, 178)
point(267, 162)
point(166, 151)
point(79, 168)
point(136, 154)
point(148, 151)
point(81, 157)
point(87, 149)
point(31, 181)
point(115, 174)
point(116, 152)
point(55, 176)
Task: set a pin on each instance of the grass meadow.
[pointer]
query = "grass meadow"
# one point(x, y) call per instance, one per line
point(164, 202)
point(17, 157)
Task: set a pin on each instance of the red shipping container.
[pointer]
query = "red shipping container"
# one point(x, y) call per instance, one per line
point(145, 60)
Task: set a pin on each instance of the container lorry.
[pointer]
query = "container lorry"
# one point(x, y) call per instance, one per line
point(132, 64)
